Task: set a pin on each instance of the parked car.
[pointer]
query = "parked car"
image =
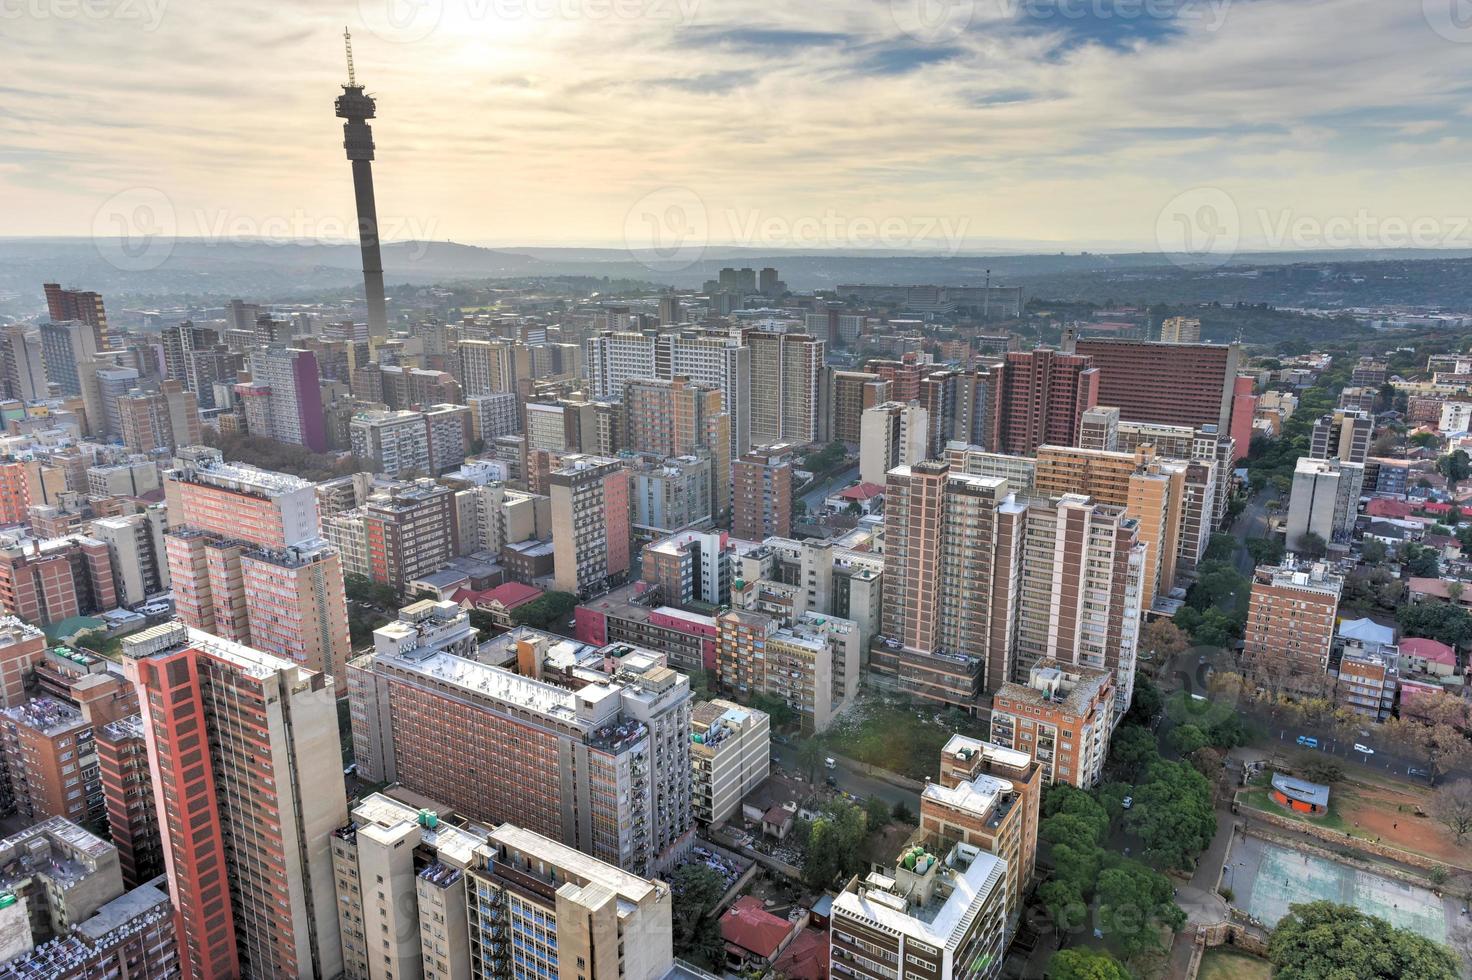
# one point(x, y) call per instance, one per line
point(1416, 772)
point(1127, 802)
point(1308, 741)
point(830, 763)
point(1363, 748)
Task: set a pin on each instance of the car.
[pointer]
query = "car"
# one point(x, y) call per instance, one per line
point(830, 763)
point(1127, 802)
point(1308, 741)
point(1363, 748)
point(1416, 772)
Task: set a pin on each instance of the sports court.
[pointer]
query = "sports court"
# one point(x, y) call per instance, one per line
point(1268, 878)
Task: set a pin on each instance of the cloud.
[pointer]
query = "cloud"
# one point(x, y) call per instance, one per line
point(546, 121)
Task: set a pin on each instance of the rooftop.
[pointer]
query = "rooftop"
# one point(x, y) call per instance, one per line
point(965, 875)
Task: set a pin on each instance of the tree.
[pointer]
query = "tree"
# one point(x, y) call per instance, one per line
point(1186, 739)
point(1320, 770)
point(1372, 552)
point(1085, 964)
point(697, 888)
point(876, 813)
point(1452, 805)
point(1134, 902)
point(1221, 547)
point(1132, 752)
point(1456, 466)
point(1229, 733)
point(361, 588)
point(1173, 814)
point(1266, 551)
point(902, 813)
point(1435, 733)
point(809, 757)
point(1421, 562)
point(1160, 640)
point(548, 611)
point(1444, 622)
point(1147, 703)
point(1425, 440)
point(833, 845)
point(779, 711)
point(1311, 545)
point(1324, 940)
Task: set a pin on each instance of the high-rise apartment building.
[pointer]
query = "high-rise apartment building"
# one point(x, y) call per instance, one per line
point(715, 359)
point(22, 647)
point(812, 665)
point(891, 434)
point(163, 419)
point(589, 746)
point(1344, 434)
point(392, 443)
point(1172, 384)
point(488, 367)
point(1040, 396)
point(1062, 718)
point(295, 395)
point(127, 788)
point(935, 917)
point(786, 369)
point(248, 788)
point(246, 562)
point(399, 534)
point(761, 499)
point(679, 417)
point(1151, 491)
point(987, 796)
point(65, 345)
point(730, 756)
point(494, 415)
point(851, 393)
point(1290, 620)
point(23, 363)
point(1180, 330)
point(591, 523)
point(1324, 500)
point(616, 357)
point(80, 305)
point(692, 566)
point(540, 908)
point(951, 555)
point(1080, 589)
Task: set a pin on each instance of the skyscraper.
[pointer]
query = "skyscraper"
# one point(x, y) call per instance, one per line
point(1180, 330)
point(890, 435)
point(786, 369)
point(761, 500)
point(1040, 396)
point(357, 108)
point(247, 563)
point(65, 344)
point(76, 304)
point(1171, 384)
point(295, 395)
point(249, 788)
point(591, 524)
point(679, 417)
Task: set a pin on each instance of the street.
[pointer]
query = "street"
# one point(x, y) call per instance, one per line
point(851, 780)
point(837, 481)
point(1253, 523)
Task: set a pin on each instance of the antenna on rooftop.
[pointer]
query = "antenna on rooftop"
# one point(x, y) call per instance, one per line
point(347, 38)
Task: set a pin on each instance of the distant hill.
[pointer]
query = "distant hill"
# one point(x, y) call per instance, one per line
point(272, 271)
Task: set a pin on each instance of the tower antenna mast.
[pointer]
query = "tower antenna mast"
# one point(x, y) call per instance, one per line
point(347, 38)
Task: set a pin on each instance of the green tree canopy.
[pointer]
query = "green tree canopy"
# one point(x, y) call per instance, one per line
point(1325, 941)
point(1134, 902)
point(1172, 814)
point(1186, 739)
point(548, 611)
point(1085, 964)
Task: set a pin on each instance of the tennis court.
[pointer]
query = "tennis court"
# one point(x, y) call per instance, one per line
point(1269, 878)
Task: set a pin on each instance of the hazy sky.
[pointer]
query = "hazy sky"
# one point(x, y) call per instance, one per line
point(913, 123)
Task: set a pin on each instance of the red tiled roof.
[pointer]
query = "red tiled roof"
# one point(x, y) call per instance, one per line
point(862, 491)
point(750, 927)
point(513, 594)
point(806, 958)
point(1430, 650)
point(1385, 507)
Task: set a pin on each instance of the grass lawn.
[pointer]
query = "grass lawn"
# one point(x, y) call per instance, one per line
point(1231, 964)
point(898, 737)
point(1257, 798)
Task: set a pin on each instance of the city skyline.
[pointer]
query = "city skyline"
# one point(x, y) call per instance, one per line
point(897, 126)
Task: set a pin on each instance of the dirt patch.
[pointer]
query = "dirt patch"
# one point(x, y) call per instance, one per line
point(1390, 815)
